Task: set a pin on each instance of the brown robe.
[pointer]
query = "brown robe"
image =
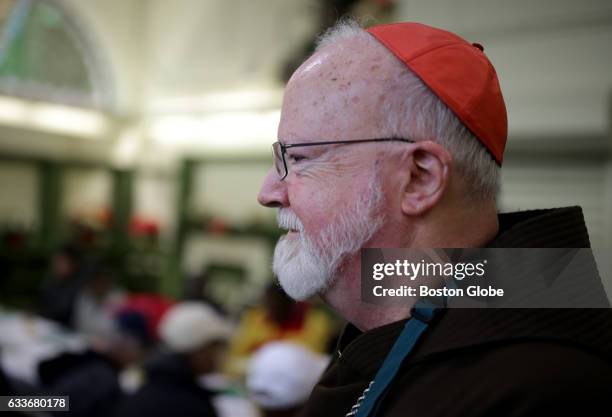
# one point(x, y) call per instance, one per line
point(487, 362)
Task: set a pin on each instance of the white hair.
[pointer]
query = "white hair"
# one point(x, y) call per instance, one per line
point(308, 265)
point(412, 110)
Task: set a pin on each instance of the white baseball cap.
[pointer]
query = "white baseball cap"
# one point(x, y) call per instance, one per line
point(188, 326)
point(282, 374)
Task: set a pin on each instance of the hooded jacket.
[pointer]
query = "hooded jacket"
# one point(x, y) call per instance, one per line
point(487, 362)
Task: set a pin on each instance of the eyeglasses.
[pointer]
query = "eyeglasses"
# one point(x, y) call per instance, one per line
point(279, 150)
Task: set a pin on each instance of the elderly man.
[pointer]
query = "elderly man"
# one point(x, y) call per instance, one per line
point(394, 137)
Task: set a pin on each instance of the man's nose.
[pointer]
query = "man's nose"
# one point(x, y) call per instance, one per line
point(273, 192)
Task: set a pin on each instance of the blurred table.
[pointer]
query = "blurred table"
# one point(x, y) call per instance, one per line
point(27, 339)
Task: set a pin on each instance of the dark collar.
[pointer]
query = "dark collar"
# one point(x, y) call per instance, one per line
point(547, 228)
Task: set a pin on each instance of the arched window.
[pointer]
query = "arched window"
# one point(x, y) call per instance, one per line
point(46, 54)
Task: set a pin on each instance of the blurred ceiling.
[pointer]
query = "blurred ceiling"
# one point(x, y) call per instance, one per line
point(183, 74)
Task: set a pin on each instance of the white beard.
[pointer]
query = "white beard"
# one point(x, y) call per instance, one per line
point(306, 266)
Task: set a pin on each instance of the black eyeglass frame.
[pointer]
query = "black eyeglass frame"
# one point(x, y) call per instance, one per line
point(283, 148)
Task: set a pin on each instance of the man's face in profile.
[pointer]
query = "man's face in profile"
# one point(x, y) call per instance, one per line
point(332, 198)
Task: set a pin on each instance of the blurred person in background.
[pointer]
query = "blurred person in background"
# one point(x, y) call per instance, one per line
point(195, 337)
point(197, 289)
point(281, 375)
point(92, 378)
point(152, 306)
point(393, 138)
point(97, 302)
point(278, 317)
point(61, 286)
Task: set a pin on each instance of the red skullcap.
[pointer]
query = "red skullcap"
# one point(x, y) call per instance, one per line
point(458, 72)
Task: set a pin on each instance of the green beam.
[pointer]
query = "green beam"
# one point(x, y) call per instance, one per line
point(184, 200)
point(122, 207)
point(49, 203)
point(171, 283)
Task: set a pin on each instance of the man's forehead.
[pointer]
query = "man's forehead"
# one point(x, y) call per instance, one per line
point(346, 58)
point(328, 96)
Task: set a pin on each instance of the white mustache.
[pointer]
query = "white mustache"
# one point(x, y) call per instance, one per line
point(288, 220)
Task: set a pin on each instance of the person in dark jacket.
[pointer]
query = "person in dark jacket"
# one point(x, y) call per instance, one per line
point(170, 390)
point(423, 113)
point(72, 373)
point(195, 337)
point(62, 285)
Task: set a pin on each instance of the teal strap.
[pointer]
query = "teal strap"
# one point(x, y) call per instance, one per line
point(422, 313)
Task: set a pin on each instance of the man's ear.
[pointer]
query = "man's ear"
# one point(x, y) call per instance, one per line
point(427, 169)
